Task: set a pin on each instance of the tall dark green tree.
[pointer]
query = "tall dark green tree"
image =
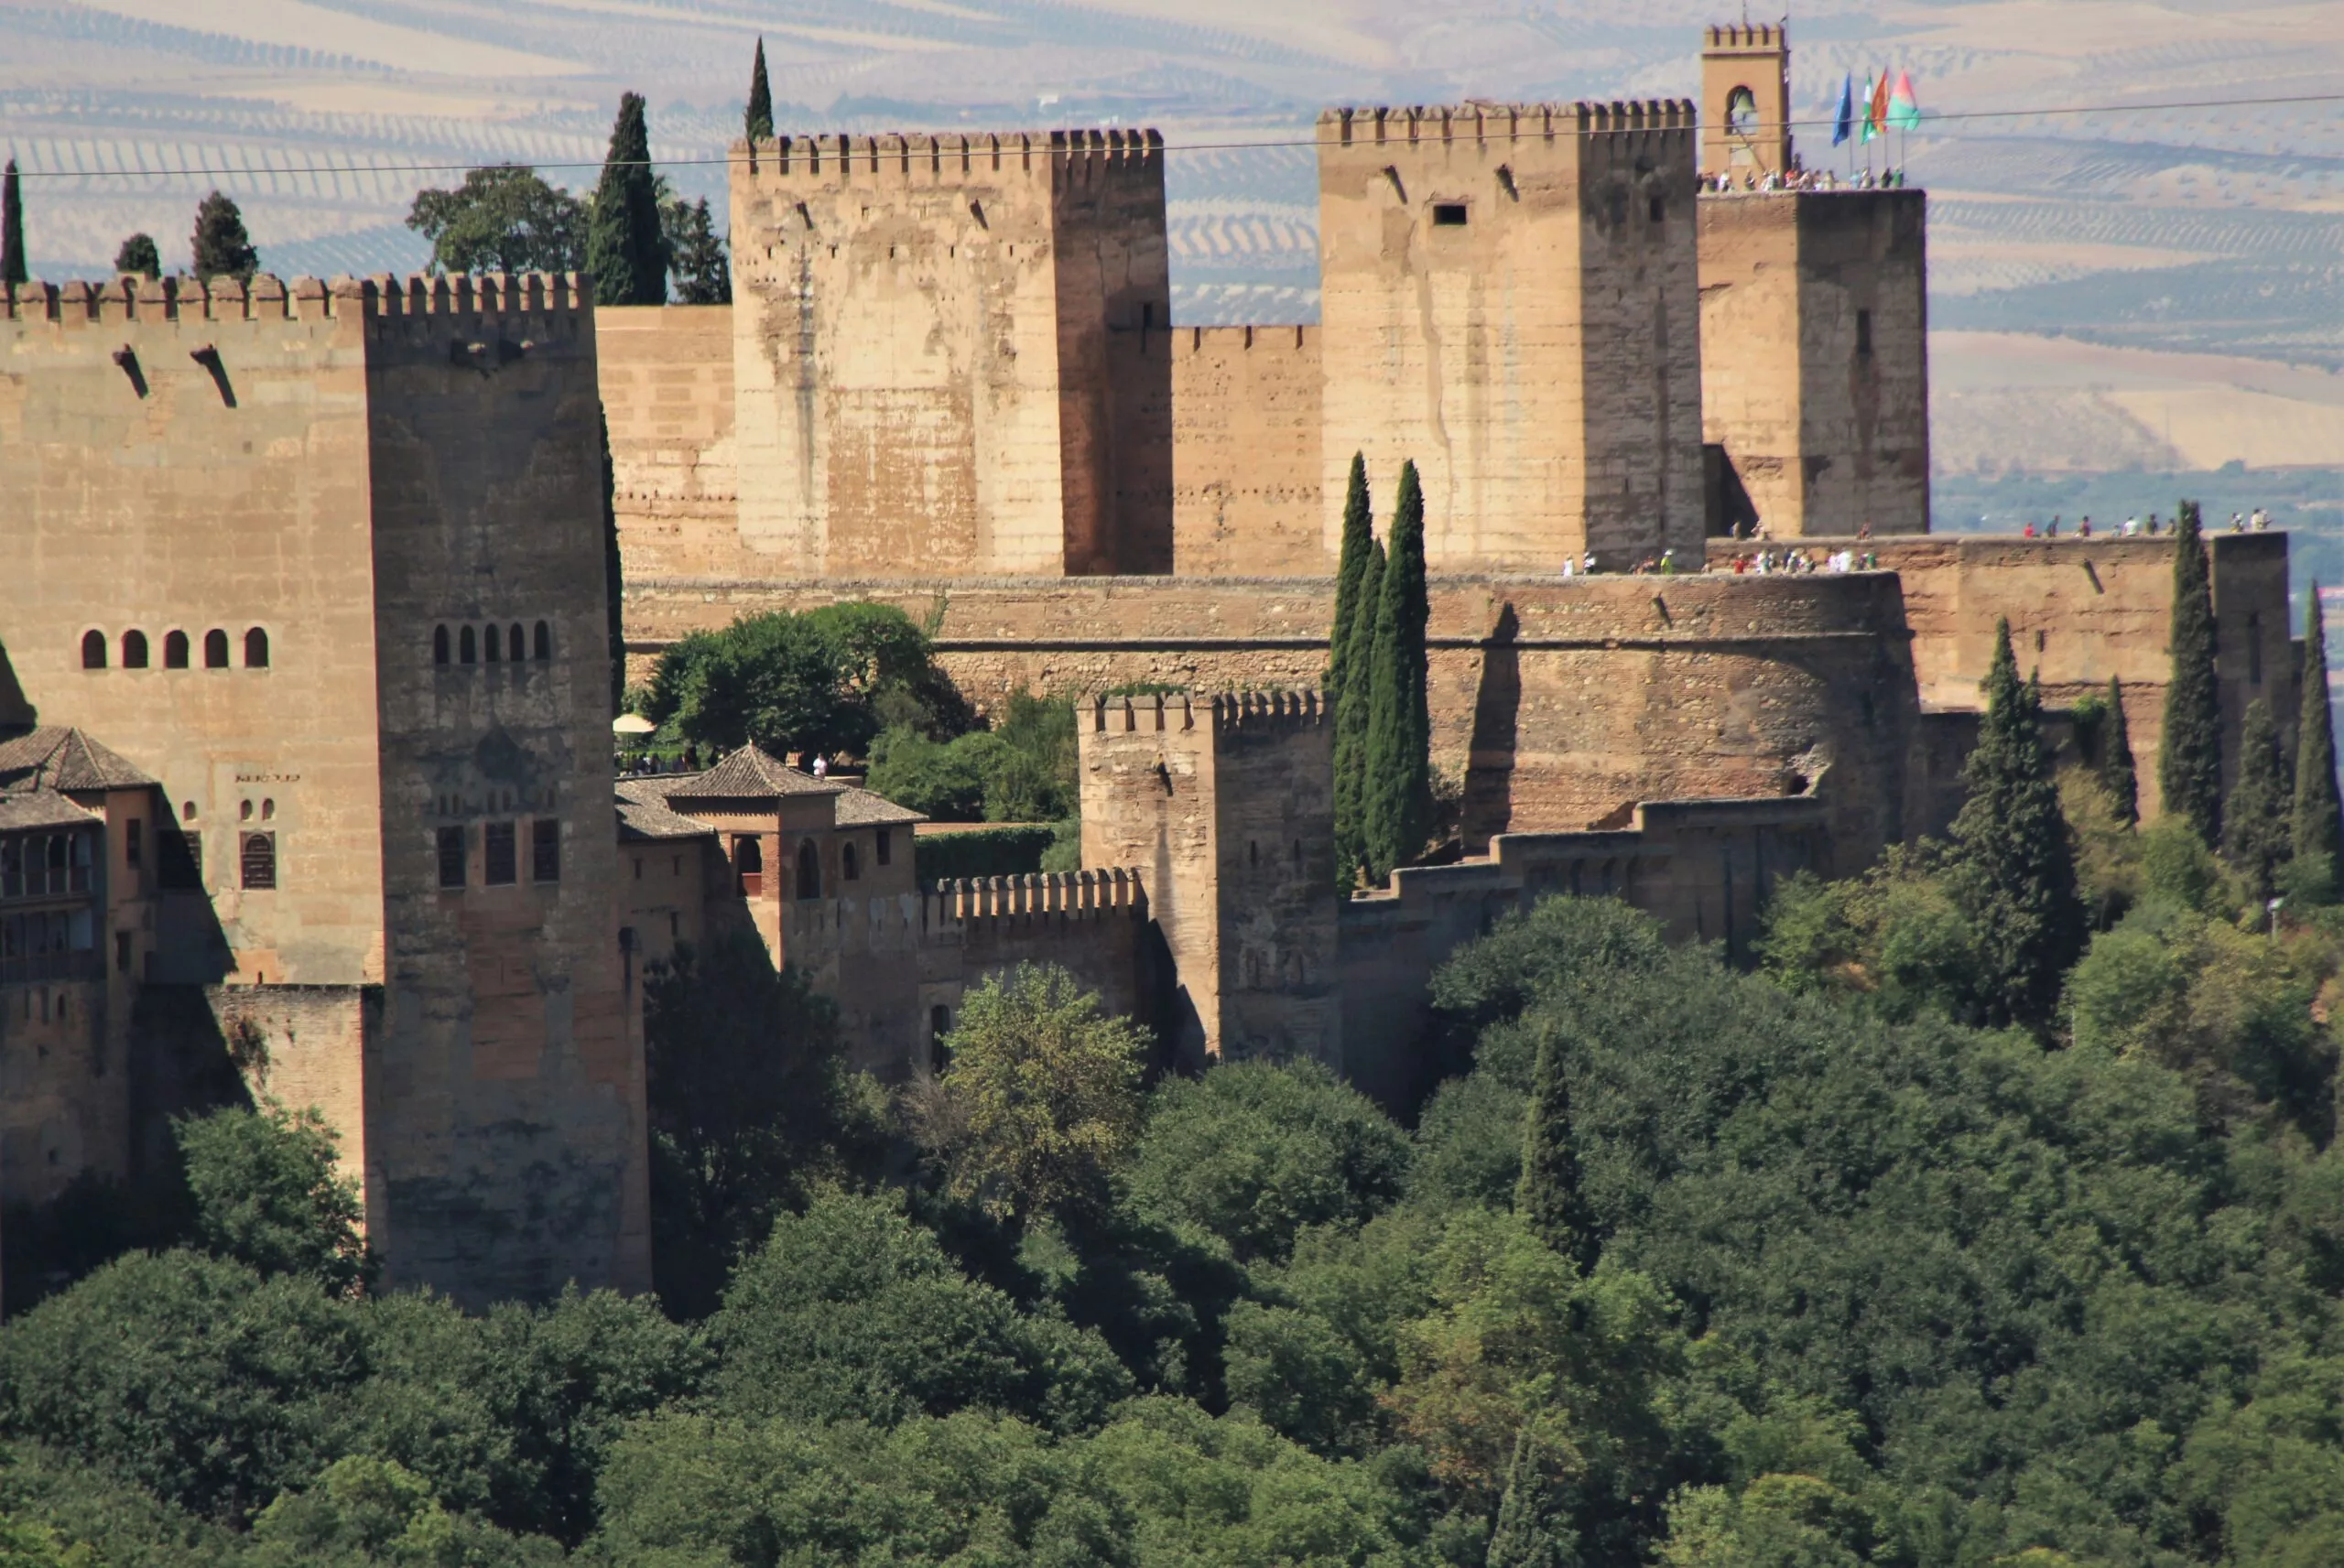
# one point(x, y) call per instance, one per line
point(1397, 787)
point(1342, 659)
point(2012, 872)
point(2315, 833)
point(222, 247)
point(1547, 1195)
point(1351, 722)
point(626, 247)
point(12, 229)
point(2254, 817)
point(758, 122)
point(139, 255)
point(697, 254)
point(2119, 779)
point(1532, 1530)
point(2189, 756)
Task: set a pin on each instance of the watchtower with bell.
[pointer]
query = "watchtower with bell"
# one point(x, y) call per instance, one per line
point(1746, 99)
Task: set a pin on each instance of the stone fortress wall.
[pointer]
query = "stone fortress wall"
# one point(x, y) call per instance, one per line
point(271, 505)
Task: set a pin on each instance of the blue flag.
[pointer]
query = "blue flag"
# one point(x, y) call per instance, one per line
point(1847, 126)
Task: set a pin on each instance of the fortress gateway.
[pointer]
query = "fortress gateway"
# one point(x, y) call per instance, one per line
point(304, 748)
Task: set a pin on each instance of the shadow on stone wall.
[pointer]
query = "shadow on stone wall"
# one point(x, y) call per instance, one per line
point(1489, 762)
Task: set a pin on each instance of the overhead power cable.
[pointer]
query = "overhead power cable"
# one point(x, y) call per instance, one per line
point(1929, 121)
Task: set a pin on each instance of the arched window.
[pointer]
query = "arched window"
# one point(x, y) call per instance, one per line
point(255, 649)
point(438, 644)
point(93, 650)
point(215, 649)
point(493, 644)
point(467, 651)
point(175, 650)
point(134, 650)
point(848, 869)
point(749, 865)
point(259, 860)
point(809, 871)
point(515, 648)
point(544, 640)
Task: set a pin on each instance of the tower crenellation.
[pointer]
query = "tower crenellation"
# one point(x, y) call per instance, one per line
point(945, 156)
point(265, 298)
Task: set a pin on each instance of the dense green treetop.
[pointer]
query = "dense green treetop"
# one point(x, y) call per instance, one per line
point(220, 246)
point(139, 255)
point(504, 219)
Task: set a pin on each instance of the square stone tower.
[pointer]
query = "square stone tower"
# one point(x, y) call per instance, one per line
point(1509, 299)
point(327, 561)
point(1226, 805)
point(1814, 360)
point(921, 331)
point(1746, 99)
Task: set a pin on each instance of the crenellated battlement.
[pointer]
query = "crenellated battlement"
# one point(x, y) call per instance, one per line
point(907, 155)
point(265, 297)
point(1767, 35)
point(1197, 341)
point(1087, 894)
point(1382, 125)
point(1235, 710)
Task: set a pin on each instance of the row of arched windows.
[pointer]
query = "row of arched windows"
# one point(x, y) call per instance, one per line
point(178, 651)
point(490, 644)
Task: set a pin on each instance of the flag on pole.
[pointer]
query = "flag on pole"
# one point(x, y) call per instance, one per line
point(1903, 109)
point(1876, 107)
point(1847, 126)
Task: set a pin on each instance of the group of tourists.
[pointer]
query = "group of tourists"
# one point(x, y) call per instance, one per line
point(2256, 522)
point(1763, 562)
point(1804, 180)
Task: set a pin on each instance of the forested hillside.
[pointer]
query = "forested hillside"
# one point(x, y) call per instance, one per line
point(1996, 1219)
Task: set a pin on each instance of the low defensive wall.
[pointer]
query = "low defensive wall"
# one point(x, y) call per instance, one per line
point(1557, 703)
point(1703, 868)
point(2082, 611)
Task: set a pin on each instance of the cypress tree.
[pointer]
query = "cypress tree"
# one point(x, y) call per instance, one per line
point(1546, 1195)
point(12, 229)
point(759, 121)
point(222, 247)
point(2254, 818)
point(2013, 869)
point(139, 255)
point(627, 253)
point(2316, 829)
point(2189, 758)
point(1530, 1532)
point(1350, 565)
point(1351, 721)
point(1397, 788)
point(2119, 780)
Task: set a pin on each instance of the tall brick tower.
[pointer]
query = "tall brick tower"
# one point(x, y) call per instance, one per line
point(1746, 99)
point(921, 331)
point(1227, 806)
point(1509, 299)
point(1815, 353)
